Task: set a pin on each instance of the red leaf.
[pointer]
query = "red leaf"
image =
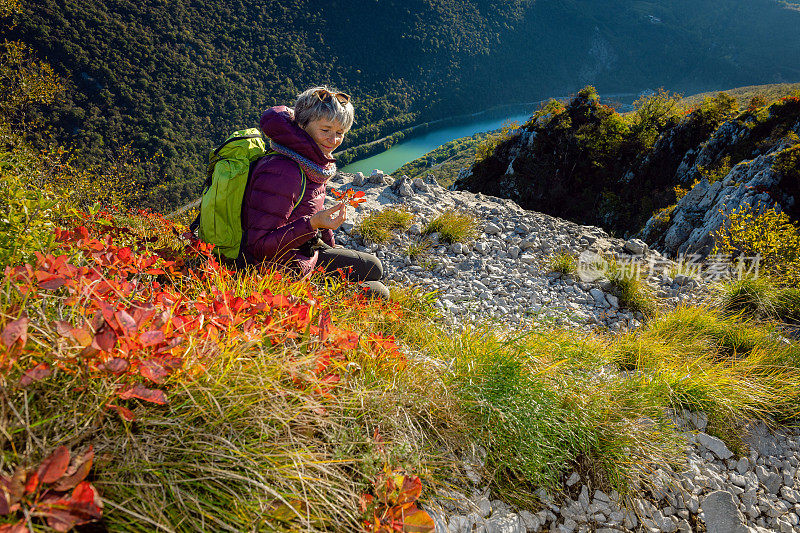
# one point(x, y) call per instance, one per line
point(125, 255)
point(77, 471)
point(49, 281)
point(123, 412)
point(11, 490)
point(86, 495)
point(324, 324)
point(14, 331)
point(58, 517)
point(37, 373)
point(358, 194)
point(82, 335)
point(410, 490)
point(143, 393)
point(116, 365)
point(415, 520)
point(125, 321)
point(32, 483)
point(106, 339)
point(153, 371)
point(63, 327)
point(151, 338)
point(17, 527)
point(54, 466)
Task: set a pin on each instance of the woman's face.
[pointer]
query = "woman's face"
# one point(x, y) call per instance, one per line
point(327, 134)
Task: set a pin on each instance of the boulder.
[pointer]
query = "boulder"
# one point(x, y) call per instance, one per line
point(721, 515)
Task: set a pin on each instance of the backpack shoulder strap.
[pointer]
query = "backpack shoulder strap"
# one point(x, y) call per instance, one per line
point(302, 179)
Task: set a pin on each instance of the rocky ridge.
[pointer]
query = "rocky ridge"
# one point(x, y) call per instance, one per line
point(503, 276)
point(559, 163)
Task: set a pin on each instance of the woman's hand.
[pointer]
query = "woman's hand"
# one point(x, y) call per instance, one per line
point(330, 218)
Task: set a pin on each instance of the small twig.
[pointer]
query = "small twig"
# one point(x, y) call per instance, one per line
point(184, 208)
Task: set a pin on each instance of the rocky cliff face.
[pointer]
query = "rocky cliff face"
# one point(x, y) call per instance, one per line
point(757, 181)
point(586, 163)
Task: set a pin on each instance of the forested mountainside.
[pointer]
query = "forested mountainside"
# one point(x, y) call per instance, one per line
point(173, 78)
point(585, 162)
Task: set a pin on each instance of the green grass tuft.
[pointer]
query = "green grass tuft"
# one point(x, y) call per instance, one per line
point(378, 226)
point(418, 247)
point(631, 289)
point(453, 226)
point(564, 263)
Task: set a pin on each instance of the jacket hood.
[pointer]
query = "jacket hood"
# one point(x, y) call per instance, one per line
point(278, 124)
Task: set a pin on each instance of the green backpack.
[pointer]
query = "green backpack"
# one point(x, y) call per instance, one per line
point(229, 168)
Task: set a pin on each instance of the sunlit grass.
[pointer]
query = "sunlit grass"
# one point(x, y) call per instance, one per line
point(453, 226)
point(378, 226)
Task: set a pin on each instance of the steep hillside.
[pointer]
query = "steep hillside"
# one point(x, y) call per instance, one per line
point(584, 162)
point(171, 78)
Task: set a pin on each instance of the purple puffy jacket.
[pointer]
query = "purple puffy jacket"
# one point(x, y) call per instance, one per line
point(273, 230)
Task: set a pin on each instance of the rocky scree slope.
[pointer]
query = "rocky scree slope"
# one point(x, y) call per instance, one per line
point(582, 162)
point(502, 276)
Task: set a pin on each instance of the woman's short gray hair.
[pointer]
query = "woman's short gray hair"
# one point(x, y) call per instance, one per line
point(308, 108)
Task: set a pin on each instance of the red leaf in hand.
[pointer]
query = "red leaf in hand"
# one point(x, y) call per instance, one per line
point(358, 194)
point(37, 373)
point(14, 331)
point(77, 471)
point(143, 393)
point(54, 466)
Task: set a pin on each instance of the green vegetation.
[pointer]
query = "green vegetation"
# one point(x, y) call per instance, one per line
point(150, 76)
point(761, 298)
point(771, 235)
point(787, 162)
point(418, 248)
point(453, 226)
point(745, 95)
point(720, 170)
point(378, 225)
point(652, 115)
point(564, 263)
point(627, 285)
point(487, 145)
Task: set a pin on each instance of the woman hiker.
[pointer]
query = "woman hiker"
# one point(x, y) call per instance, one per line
point(301, 237)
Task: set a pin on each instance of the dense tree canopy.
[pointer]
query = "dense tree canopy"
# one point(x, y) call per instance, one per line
point(172, 78)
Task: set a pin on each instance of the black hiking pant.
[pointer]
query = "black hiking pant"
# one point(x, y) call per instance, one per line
point(356, 266)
